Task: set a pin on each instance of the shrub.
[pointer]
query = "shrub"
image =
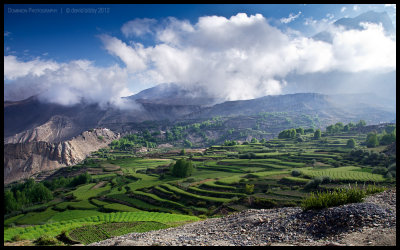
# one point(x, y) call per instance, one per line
point(320, 200)
point(182, 168)
point(296, 173)
point(46, 240)
point(16, 237)
point(379, 170)
point(351, 143)
point(372, 189)
point(249, 189)
point(314, 183)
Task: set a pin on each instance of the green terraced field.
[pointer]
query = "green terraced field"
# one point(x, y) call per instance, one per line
point(349, 173)
point(53, 229)
point(130, 190)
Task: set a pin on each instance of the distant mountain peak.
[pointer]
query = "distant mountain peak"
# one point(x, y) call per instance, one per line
point(355, 24)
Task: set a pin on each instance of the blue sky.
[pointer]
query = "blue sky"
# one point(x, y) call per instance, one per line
point(64, 37)
point(36, 42)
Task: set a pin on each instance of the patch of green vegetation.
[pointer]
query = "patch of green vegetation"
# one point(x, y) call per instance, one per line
point(235, 175)
point(320, 200)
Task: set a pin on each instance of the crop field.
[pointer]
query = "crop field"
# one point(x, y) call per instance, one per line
point(348, 173)
point(54, 229)
point(127, 193)
point(94, 233)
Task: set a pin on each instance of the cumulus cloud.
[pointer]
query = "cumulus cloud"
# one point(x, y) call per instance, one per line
point(65, 83)
point(130, 56)
point(244, 57)
point(13, 68)
point(240, 57)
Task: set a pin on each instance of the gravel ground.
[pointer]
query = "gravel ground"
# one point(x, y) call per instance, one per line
point(372, 222)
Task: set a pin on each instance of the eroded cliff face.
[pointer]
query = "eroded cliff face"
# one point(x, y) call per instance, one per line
point(22, 160)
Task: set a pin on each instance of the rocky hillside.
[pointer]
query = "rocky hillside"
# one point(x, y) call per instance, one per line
point(22, 160)
point(372, 222)
point(41, 136)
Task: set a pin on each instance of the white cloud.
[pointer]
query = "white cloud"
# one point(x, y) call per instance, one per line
point(391, 5)
point(14, 68)
point(240, 57)
point(130, 56)
point(343, 9)
point(356, 7)
point(138, 27)
point(291, 17)
point(364, 50)
point(244, 57)
point(65, 83)
point(330, 16)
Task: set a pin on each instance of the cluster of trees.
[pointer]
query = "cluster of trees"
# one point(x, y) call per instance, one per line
point(388, 172)
point(129, 142)
point(317, 134)
point(230, 143)
point(388, 136)
point(60, 182)
point(182, 168)
point(339, 127)
point(293, 133)
point(369, 158)
point(24, 195)
point(288, 133)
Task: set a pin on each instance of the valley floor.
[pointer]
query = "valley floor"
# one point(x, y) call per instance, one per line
point(372, 222)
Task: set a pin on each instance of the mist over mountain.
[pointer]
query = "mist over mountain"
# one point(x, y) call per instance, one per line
point(358, 23)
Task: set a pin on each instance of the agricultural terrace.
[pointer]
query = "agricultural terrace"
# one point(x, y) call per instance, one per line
point(114, 192)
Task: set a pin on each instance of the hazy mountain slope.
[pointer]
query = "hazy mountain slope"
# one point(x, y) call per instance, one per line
point(40, 136)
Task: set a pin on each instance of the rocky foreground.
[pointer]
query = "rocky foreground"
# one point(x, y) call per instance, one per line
point(372, 222)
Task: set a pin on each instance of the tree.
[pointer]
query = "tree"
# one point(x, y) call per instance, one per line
point(182, 168)
point(351, 143)
point(249, 189)
point(387, 139)
point(361, 123)
point(10, 204)
point(372, 140)
point(254, 140)
point(300, 131)
point(339, 126)
point(317, 134)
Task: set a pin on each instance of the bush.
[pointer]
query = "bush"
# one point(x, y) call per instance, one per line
point(46, 240)
point(351, 143)
point(320, 200)
point(182, 168)
point(379, 170)
point(249, 189)
point(296, 173)
point(314, 183)
point(16, 237)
